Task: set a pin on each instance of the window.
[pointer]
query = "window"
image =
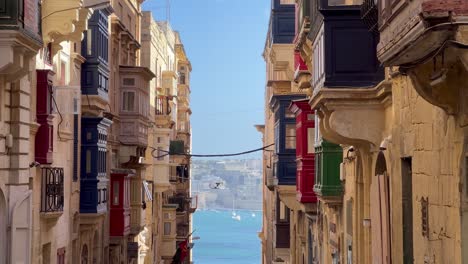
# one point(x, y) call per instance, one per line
point(290, 141)
point(167, 228)
point(277, 145)
point(288, 113)
point(115, 193)
point(89, 41)
point(182, 77)
point(129, 81)
point(286, 2)
point(344, 2)
point(63, 69)
point(310, 140)
point(128, 101)
point(88, 161)
point(283, 212)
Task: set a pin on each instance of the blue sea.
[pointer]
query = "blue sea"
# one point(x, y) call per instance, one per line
point(225, 238)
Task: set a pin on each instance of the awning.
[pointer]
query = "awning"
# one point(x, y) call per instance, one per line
point(147, 191)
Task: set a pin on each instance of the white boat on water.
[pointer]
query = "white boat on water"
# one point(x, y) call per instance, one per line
point(237, 217)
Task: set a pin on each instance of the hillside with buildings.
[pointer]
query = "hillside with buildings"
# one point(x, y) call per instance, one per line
point(228, 184)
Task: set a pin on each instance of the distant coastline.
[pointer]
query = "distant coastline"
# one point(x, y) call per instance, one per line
point(228, 184)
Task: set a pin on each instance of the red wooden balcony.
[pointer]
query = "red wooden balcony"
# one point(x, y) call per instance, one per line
point(45, 135)
point(302, 74)
point(305, 158)
point(120, 203)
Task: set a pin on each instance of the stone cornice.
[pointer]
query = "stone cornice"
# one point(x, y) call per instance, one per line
point(353, 116)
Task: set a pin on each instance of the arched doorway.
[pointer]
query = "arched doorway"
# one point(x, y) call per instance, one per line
point(3, 225)
point(380, 212)
point(84, 254)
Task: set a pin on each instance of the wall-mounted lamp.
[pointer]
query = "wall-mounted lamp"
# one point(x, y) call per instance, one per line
point(34, 164)
point(350, 153)
point(385, 142)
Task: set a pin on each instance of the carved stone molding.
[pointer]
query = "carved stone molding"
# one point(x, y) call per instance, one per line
point(63, 20)
point(16, 51)
point(353, 116)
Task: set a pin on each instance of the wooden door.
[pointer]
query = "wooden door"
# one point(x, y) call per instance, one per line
point(380, 219)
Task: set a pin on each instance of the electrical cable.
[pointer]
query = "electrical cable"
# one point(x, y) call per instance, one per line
point(219, 155)
point(58, 111)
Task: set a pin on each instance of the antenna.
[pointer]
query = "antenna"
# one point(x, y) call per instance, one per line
point(168, 10)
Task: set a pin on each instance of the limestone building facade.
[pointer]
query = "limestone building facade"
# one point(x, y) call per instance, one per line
point(385, 80)
point(77, 119)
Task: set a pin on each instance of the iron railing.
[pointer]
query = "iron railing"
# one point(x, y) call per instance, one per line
point(162, 106)
point(370, 15)
point(52, 190)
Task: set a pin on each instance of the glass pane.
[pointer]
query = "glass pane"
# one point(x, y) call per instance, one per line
point(128, 101)
point(167, 228)
point(88, 161)
point(310, 139)
point(288, 113)
point(89, 41)
point(282, 211)
point(344, 2)
point(115, 194)
point(290, 136)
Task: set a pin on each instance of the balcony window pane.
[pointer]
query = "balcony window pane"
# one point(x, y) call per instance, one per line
point(310, 140)
point(89, 41)
point(288, 113)
point(290, 142)
point(129, 81)
point(128, 101)
point(88, 161)
point(344, 2)
point(167, 228)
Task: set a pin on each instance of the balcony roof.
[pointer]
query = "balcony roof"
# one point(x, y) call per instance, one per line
point(142, 71)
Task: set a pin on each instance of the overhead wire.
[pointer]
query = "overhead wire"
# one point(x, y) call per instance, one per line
point(218, 155)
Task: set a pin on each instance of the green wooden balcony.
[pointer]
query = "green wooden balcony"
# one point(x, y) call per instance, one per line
point(328, 157)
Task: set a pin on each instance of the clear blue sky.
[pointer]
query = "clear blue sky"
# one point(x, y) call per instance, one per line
point(224, 40)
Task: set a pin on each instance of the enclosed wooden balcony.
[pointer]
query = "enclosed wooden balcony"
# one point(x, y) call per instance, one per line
point(302, 74)
point(44, 146)
point(134, 107)
point(284, 159)
point(328, 157)
point(343, 48)
point(305, 157)
point(120, 202)
point(412, 31)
